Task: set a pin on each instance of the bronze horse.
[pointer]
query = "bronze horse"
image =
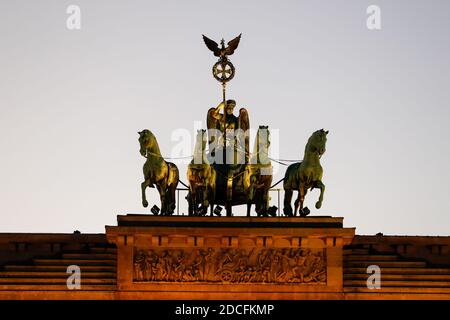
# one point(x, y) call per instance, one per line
point(202, 179)
point(258, 174)
point(158, 172)
point(307, 174)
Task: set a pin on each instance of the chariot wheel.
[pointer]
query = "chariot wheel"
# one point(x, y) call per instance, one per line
point(226, 276)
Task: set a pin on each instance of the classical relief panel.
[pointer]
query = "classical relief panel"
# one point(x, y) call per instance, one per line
point(231, 265)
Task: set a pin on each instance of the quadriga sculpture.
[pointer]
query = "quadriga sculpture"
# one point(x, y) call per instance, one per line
point(258, 174)
point(307, 174)
point(202, 179)
point(158, 172)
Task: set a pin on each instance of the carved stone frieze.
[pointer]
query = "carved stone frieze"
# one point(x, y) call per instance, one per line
point(231, 265)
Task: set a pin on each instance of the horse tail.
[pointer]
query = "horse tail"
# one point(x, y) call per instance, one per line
point(173, 177)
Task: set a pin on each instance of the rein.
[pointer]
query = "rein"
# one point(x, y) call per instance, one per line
point(280, 161)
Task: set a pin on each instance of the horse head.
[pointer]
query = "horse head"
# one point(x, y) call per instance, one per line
point(146, 141)
point(263, 137)
point(261, 146)
point(317, 142)
point(202, 138)
point(200, 145)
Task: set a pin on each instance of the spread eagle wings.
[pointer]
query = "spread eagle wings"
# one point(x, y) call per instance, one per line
point(244, 122)
point(212, 45)
point(232, 45)
point(220, 52)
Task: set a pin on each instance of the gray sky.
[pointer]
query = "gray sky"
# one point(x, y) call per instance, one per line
point(71, 103)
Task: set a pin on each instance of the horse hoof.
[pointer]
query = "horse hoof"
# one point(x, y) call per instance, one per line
point(287, 212)
point(305, 212)
point(145, 204)
point(318, 205)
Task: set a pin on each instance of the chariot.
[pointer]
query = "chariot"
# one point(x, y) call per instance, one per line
point(228, 174)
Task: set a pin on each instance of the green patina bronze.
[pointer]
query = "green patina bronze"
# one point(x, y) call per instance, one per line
point(258, 174)
point(228, 174)
point(305, 175)
point(201, 177)
point(158, 172)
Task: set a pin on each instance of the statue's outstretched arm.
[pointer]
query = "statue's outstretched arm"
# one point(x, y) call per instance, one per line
point(215, 112)
point(212, 118)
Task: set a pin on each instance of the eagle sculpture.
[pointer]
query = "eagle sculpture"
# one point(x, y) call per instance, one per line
point(222, 51)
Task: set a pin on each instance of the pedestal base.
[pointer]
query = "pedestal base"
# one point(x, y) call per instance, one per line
point(229, 257)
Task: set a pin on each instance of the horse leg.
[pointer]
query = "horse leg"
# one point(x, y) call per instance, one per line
point(287, 210)
point(258, 203)
point(303, 211)
point(199, 205)
point(198, 201)
point(212, 197)
point(194, 200)
point(261, 198)
point(162, 195)
point(319, 185)
point(144, 185)
point(250, 196)
point(210, 200)
point(265, 202)
point(190, 205)
point(205, 202)
point(158, 187)
point(173, 190)
point(296, 204)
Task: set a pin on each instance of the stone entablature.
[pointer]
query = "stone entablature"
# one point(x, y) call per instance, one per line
point(33, 266)
point(201, 254)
